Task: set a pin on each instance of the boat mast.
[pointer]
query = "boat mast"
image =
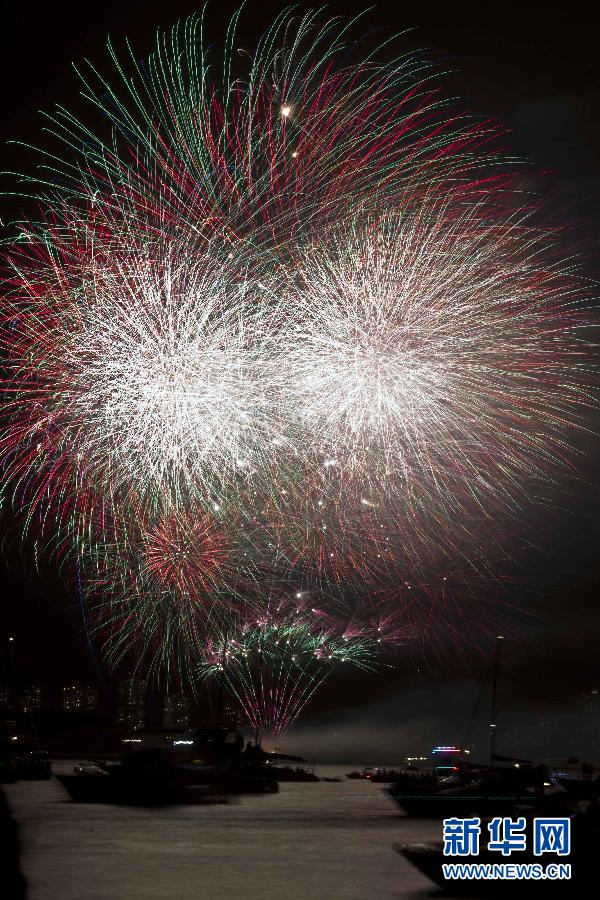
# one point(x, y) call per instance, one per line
point(494, 711)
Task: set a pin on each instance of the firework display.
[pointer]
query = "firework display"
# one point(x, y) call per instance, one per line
point(143, 370)
point(273, 664)
point(436, 354)
point(259, 146)
point(155, 586)
point(287, 330)
point(156, 309)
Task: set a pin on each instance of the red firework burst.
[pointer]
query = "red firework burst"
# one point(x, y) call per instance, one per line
point(186, 554)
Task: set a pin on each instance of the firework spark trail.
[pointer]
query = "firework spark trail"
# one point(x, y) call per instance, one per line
point(171, 598)
point(201, 348)
point(162, 583)
point(131, 366)
point(274, 664)
point(442, 354)
point(438, 359)
point(312, 122)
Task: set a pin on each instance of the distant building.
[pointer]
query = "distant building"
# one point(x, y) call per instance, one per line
point(31, 698)
point(131, 703)
point(591, 704)
point(4, 696)
point(511, 743)
point(176, 711)
point(79, 698)
point(232, 715)
point(590, 709)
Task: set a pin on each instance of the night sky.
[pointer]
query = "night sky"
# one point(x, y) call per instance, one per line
point(537, 71)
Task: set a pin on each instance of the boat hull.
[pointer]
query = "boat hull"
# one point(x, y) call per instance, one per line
point(429, 859)
point(121, 787)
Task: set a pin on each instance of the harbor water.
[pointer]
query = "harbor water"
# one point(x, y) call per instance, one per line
point(324, 841)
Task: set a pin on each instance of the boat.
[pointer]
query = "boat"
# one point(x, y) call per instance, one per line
point(212, 763)
point(33, 766)
point(279, 766)
point(384, 776)
point(115, 785)
point(293, 773)
point(376, 774)
point(151, 777)
point(496, 793)
point(429, 858)
point(580, 788)
point(459, 787)
point(365, 774)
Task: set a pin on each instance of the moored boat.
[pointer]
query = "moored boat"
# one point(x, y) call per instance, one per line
point(429, 859)
point(191, 773)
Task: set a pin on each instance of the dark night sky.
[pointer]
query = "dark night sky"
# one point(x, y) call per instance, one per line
point(537, 70)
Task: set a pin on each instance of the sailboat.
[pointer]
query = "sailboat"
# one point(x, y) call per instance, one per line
point(489, 789)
